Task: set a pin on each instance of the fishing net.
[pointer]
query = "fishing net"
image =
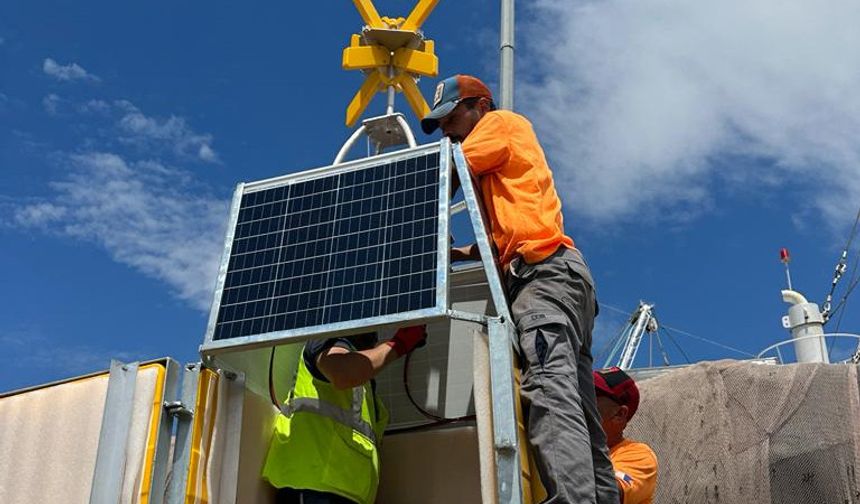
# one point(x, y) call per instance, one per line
point(738, 432)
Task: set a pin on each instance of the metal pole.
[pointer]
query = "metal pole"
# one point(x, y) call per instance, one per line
point(389, 109)
point(506, 71)
point(109, 469)
point(635, 338)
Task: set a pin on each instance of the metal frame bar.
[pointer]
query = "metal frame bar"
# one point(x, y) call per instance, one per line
point(334, 169)
point(225, 261)
point(211, 347)
point(228, 485)
point(443, 244)
point(334, 330)
point(347, 146)
point(482, 238)
point(113, 437)
point(505, 442)
point(182, 446)
point(502, 340)
point(161, 458)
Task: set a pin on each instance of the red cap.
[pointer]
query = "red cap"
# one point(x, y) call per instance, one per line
point(784, 256)
point(618, 386)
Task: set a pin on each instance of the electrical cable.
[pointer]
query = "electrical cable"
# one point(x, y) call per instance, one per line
point(662, 349)
point(844, 300)
point(615, 342)
point(706, 340)
point(685, 333)
point(272, 395)
point(839, 271)
point(672, 338)
point(437, 420)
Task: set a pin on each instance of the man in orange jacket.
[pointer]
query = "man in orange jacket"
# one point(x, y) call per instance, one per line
point(634, 462)
point(548, 284)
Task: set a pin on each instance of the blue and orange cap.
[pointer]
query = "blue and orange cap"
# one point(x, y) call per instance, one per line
point(449, 93)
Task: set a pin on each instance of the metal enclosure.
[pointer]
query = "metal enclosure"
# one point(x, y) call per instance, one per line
point(249, 354)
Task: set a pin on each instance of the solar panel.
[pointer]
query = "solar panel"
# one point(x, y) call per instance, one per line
point(333, 246)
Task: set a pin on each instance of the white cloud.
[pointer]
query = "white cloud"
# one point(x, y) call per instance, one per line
point(119, 193)
point(95, 107)
point(145, 131)
point(642, 104)
point(206, 153)
point(69, 72)
point(51, 103)
point(144, 214)
point(40, 214)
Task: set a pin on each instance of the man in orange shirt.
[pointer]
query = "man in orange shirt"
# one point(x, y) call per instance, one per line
point(548, 284)
point(635, 463)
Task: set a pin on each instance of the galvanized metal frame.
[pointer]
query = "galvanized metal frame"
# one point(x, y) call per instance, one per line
point(212, 347)
point(482, 238)
point(113, 438)
point(229, 486)
point(182, 446)
point(502, 342)
point(505, 443)
point(502, 333)
point(161, 458)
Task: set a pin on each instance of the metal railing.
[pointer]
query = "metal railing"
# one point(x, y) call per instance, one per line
point(832, 336)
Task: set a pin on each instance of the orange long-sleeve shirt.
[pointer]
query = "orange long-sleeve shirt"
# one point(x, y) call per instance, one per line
point(635, 470)
point(516, 186)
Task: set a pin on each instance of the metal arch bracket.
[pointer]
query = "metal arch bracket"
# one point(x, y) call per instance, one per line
point(383, 132)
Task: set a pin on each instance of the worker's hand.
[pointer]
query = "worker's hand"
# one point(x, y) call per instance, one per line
point(467, 253)
point(407, 339)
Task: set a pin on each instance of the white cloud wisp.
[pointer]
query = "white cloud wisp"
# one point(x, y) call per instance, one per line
point(145, 131)
point(643, 104)
point(70, 72)
point(146, 215)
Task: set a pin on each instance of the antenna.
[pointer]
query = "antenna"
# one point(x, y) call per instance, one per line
point(641, 321)
point(785, 257)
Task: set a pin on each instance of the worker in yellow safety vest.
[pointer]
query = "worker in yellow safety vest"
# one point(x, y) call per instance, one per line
point(324, 448)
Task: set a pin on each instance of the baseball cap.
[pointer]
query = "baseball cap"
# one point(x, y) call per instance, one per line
point(449, 93)
point(618, 386)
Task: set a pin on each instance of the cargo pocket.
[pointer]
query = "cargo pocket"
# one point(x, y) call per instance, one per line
point(545, 344)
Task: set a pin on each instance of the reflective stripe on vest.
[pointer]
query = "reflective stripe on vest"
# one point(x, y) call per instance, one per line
point(351, 419)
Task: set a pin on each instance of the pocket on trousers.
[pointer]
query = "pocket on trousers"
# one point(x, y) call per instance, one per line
point(544, 342)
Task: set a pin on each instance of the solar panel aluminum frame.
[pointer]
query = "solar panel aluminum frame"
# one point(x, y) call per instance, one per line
point(212, 347)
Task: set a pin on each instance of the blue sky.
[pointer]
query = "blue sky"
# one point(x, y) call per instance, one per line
point(689, 144)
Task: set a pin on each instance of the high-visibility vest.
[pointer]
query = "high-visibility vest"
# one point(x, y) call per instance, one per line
point(326, 439)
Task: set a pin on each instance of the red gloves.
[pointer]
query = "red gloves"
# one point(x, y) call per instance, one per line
point(407, 339)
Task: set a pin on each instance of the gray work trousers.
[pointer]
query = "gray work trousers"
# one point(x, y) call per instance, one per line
point(553, 304)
